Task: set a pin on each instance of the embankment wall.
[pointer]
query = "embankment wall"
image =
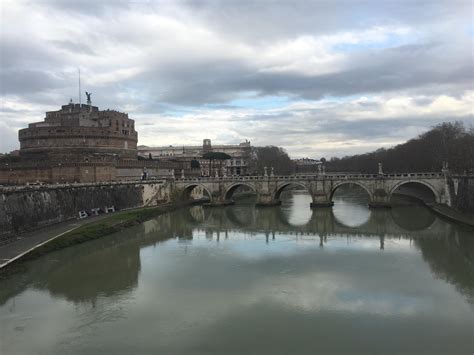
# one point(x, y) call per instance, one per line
point(464, 201)
point(28, 207)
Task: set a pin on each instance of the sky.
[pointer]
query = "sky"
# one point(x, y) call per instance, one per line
point(319, 78)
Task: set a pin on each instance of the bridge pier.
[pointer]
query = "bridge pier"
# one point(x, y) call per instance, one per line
point(380, 199)
point(376, 204)
point(321, 199)
point(267, 199)
point(219, 201)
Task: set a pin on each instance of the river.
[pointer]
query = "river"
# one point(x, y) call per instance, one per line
point(247, 280)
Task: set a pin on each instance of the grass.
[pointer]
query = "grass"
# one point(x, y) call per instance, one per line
point(94, 230)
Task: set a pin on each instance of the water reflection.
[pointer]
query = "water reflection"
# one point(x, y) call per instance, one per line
point(295, 207)
point(350, 206)
point(266, 280)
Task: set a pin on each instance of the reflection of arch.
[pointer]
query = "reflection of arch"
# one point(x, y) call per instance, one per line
point(338, 185)
point(404, 217)
point(231, 189)
point(189, 188)
point(194, 215)
point(359, 215)
point(234, 219)
point(284, 218)
point(417, 182)
point(280, 188)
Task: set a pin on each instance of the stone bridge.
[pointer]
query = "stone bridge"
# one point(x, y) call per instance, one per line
point(430, 187)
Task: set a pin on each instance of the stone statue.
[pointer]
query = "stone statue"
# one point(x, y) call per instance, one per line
point(88, 94)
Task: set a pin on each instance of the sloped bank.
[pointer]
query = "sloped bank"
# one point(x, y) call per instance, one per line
point(96, 229)
point(444, 211)
point(25, 208)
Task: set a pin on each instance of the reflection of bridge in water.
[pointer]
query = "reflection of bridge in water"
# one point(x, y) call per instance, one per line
point(111, 266)
point(323, 222)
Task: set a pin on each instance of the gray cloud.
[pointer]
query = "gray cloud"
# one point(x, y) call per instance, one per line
point(156, 59)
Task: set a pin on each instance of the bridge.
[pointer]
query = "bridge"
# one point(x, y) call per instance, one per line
point(430, 187)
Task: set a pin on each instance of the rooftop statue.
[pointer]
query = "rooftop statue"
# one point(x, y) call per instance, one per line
point(88, 94)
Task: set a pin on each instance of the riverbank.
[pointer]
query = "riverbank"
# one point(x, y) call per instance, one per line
point(76, 232)
point(452, 215)
point(443, 211)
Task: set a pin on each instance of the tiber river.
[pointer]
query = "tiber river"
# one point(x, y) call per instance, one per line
point(245, 280)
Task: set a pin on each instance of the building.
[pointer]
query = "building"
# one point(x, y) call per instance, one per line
point(80, 143)
point(238, 164)
point(80, 132)
point(307, 165)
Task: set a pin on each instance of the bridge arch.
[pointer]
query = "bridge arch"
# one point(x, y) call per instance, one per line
point(279, 189)
point(229, 191)
point(425, 185)
point(188, 189)
point(339, 184)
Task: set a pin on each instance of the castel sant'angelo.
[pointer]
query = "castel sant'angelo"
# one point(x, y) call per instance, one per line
point(80, 143)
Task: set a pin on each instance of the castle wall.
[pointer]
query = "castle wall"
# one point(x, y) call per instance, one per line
point(76, 130)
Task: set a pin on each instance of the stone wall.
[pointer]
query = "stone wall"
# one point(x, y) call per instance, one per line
point(465, 195)
point(26, 208)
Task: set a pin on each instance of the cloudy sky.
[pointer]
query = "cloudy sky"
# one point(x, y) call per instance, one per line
point(320, 78)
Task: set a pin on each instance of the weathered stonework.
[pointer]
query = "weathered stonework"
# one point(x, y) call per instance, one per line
point(80, 130)
point(29, 207)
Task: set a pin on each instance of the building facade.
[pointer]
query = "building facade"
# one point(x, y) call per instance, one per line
point(80, 131)
point(238, 164)
point(307, 165)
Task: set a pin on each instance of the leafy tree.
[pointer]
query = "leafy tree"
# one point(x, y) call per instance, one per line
point(211, 156)
point(271, 156)
point(195, 164)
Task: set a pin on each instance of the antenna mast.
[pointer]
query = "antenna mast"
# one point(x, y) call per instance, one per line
point(80, 96)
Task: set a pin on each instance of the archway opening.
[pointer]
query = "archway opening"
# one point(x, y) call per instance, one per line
point(351, 204)
point(295, 200)
point(412, 192)
point(241, 193)
point(196, 193)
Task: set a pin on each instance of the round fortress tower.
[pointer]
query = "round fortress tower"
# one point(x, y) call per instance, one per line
point(80, 130)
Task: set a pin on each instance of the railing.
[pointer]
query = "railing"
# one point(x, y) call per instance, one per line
point(327, 176)
point(235, 178)
point(40, 186)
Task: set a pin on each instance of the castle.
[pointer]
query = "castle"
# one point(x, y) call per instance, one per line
point(80, 143)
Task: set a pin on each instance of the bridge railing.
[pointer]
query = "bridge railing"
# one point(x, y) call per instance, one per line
point(40, 186)
point(327, 176)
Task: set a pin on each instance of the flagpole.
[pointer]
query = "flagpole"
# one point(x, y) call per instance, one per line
point(80, 96)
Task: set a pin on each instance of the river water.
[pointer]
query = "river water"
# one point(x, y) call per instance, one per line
point(246, 280)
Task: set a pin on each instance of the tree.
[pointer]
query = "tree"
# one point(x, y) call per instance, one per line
point(195, 164)
point(220, 156)
point(446, 142)
point(271, 156)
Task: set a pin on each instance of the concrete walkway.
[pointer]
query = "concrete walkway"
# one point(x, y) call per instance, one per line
point(26, 242)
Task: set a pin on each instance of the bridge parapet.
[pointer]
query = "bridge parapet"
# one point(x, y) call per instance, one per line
point(326, 176)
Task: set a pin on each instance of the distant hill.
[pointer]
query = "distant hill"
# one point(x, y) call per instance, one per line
point(449, 141)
